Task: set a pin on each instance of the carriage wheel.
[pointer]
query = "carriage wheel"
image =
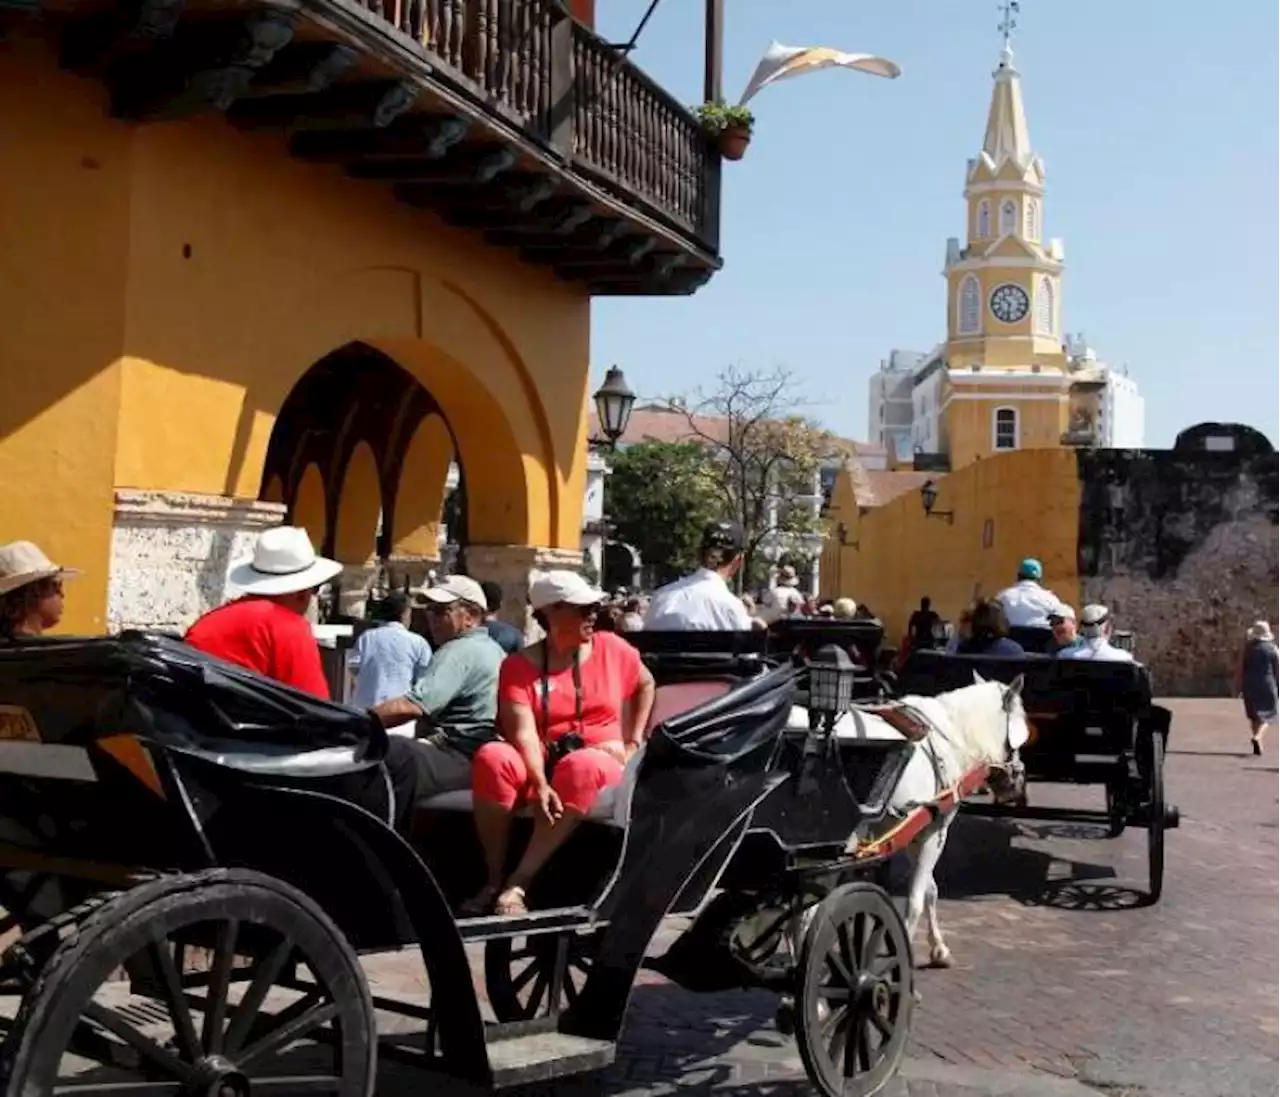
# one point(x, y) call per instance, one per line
point(519, 973)
point(855, 992)
point(1155, 818)
point(82, 1030)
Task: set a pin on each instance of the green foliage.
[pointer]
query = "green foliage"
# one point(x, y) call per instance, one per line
point(719, 116)
point(658, 497)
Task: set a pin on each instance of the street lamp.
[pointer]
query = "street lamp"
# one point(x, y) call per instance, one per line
point(831, 679)
point(928, 498)
point(614, 401)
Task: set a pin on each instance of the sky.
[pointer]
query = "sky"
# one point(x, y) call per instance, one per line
point(1157, 123)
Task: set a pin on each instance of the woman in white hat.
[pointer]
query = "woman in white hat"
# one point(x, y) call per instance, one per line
point(30, 590)
point(1259, 675)
point(266, 629)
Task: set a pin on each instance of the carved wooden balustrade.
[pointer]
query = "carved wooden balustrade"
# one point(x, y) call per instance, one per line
point(569, 90)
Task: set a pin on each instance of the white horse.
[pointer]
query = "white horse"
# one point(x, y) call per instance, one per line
point(982, 724)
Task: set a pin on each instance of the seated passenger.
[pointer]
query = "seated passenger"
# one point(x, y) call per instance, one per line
point(1027, 604)
point(988, 632)
point(388, 658)
point(562, 704)
point(30, 590)
point(455, 701)
point(1095, 635)
point(703, 600)
point(1062, 623)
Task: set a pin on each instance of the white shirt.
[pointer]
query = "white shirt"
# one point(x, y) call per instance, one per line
point(780, 601)
point(1097, 647)
point(701, 601)
point(1027, 604)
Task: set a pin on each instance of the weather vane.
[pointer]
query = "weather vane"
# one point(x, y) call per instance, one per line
point(1009, 21)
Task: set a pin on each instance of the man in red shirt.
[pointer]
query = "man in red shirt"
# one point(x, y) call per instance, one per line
point(266, 629)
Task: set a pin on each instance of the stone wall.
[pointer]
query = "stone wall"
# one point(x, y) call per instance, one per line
point(171, 551)
point(1182, 545)
point(513, 567)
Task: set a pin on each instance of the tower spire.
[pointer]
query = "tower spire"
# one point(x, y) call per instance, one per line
point(1006, 136)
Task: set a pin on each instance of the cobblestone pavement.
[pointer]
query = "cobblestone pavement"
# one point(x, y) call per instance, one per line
point(1063, 985)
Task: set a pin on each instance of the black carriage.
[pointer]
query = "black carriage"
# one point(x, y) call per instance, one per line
point(195, 859)
point(1092, 722)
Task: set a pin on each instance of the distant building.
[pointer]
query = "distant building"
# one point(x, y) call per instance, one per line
point(1005, 378)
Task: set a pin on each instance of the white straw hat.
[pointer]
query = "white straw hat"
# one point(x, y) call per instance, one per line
point(284, 562)
point(23, 562)
point(1260, 630)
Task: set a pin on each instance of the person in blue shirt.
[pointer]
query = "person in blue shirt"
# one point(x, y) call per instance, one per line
point(388, 659)
point(509, 638)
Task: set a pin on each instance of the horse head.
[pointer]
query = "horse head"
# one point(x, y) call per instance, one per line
point(1007, 777)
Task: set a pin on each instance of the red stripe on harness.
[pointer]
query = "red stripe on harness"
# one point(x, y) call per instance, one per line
point(902, 834)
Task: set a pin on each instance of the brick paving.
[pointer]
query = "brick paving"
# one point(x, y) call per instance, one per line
point(1063, 985)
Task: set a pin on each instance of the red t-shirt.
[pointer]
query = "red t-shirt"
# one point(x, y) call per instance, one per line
point(263, 636)
point(609, 677)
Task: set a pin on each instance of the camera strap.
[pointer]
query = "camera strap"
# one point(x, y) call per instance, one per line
point(546, 691)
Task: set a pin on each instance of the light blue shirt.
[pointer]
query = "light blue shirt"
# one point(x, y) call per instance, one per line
point(389, 659)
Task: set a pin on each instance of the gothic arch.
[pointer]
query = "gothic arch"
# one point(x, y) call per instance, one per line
point(1045, 306)
point(984, 219)
point(358, 507)
point(1008, 217)
point(309, 507)
point(412, 527)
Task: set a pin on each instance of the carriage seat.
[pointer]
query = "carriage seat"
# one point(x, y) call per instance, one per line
point(613, 805)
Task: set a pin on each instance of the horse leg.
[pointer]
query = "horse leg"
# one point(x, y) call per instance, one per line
point(923, 898)
point(939, 954)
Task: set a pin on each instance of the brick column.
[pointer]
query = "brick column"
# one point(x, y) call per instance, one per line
point(512, 567)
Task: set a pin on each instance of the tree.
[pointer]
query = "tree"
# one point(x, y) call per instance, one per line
point(765, 459)
point(658, 497)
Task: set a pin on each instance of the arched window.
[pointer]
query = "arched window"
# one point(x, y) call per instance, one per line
point(969, 306)
point(1008, 217)
point(1031, 220)
point(1004, 429)
point(984, 219)
point(1045, 306)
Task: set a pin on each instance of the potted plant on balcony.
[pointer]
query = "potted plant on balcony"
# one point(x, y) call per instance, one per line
point(729, 127)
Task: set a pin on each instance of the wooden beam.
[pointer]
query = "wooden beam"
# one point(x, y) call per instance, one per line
point(431, 172)
point(344, 106)
point(304, 69)
point(412, 137)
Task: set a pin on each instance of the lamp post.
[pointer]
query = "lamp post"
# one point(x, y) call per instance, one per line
point(929, 498)
point(614, 401)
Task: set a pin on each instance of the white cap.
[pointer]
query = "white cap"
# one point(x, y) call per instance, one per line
point(552, 587)
point(457, 588)
point(1064, 611)
point(1094, 614)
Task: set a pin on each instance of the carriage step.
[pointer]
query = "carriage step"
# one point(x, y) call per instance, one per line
point(529, 925)
point(519, 1060)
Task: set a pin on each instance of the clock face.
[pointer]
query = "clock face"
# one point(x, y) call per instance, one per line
point(1009, 303)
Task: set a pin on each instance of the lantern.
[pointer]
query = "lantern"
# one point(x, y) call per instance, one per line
point(614, 401)
point(831, 677)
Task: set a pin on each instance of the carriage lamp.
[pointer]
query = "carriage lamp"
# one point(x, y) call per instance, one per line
point(831, 678)
point(614, 401)
point(929, 499)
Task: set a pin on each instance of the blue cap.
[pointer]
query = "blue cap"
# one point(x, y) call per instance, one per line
point(1030, 568)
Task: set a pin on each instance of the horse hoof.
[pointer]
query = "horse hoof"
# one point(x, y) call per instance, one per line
point(941, 959)
point(917, 997)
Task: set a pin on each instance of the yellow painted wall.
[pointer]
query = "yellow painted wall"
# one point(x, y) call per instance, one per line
point(64, 239)
point(1031, 499)
point(970, 422)
point(167, 285)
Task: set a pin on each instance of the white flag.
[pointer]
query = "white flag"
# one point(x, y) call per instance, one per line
point(782, 62)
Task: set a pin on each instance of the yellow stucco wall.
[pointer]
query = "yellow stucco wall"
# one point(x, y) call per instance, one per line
point(167, 285)
point(970, 418)
point(1031, 499)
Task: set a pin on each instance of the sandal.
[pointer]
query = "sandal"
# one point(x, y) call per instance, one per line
point(480, 904)
point(511, 903)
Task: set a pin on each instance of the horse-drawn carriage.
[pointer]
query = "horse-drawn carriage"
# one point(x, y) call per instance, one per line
point(224, 842)
point(1092, 722)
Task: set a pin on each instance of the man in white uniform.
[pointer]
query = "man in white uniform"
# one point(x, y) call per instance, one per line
point(703, 601)
point(1027, 604)
point(1095, 634)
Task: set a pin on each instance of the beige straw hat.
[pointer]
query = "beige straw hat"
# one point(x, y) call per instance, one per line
point(23, 562)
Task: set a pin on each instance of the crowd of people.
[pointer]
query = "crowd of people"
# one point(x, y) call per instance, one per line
point(548, 725)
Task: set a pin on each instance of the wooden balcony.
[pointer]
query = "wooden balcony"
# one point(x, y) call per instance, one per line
point(507, 117)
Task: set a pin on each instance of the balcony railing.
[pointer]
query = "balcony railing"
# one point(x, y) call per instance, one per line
point(567, 89)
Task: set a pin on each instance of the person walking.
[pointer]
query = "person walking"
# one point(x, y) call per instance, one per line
point(1259, 675)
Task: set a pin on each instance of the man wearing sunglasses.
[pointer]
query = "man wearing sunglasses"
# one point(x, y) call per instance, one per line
point(455, 703)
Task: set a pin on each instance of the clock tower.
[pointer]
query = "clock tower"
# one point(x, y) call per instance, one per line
point(1004, 295)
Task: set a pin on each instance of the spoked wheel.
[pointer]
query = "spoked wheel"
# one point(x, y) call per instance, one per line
point(520, 973)
point(283, 1007)
point(1155, 814)
point(855, 992)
